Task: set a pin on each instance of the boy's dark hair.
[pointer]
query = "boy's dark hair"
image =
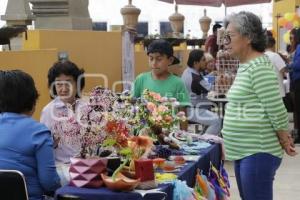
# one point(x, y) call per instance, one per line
point(67, 68)
point(194, 56)
point(216, 26)
point(270, 41)
point(162, 47)
point(17, 92)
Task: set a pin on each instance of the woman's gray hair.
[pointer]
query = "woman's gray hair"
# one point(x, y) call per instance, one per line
point(249, 25)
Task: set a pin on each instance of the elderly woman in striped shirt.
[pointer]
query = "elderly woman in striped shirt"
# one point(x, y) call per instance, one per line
point(255, 125)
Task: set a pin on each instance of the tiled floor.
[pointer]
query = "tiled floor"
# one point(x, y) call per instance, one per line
point(286, 183)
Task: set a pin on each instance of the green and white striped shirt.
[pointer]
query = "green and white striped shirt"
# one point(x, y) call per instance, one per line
point(255, 111)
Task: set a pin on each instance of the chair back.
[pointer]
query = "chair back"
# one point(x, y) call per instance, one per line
point(13, 185)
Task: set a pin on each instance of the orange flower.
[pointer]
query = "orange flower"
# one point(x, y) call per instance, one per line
point(168, 118)
point(140, 145)
point(142, 141)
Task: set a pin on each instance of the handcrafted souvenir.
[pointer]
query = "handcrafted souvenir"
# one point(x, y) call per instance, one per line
point(121, 182)
point(86, 172)
point(144, 170)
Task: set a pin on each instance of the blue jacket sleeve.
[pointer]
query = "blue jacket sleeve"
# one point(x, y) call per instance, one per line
point(296, 60)
point(46, 169)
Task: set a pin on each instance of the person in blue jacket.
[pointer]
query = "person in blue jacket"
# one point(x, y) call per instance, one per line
point(294, 68)
point(26, 145)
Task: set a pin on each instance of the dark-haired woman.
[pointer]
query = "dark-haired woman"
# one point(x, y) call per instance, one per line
point(25, 145)
point(255, 127)
point(64, 77)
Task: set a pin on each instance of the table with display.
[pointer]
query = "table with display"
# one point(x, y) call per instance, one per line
point(211, 154)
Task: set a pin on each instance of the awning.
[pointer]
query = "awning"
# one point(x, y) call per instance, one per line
point(217, 3)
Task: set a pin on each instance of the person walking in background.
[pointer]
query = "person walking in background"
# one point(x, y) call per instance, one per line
point(278, 63)
point(211, 45)
point(294, 68)
point(255, 127)
point(63, 79)
point(294, 41)
point(210, 72)
point(280, 66)
point(210, 68)
point(26, 145)
point(198, 88)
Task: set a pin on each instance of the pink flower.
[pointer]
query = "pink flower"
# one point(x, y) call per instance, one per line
point(155, 113)
point(181, 114)
point(156, 96)
point(162, 108)
point(158, 118)
point(151, 106)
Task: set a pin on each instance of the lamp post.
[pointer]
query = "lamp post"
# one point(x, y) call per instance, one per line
point(130, 17)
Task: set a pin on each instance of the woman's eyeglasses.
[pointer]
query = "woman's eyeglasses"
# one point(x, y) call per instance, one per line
point(227, 39)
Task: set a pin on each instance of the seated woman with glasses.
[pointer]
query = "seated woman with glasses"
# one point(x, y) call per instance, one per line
point(64, 78)
point(26, 145)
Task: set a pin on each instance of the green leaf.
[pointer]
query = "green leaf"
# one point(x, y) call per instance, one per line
point(126, 151)
point(109, 142)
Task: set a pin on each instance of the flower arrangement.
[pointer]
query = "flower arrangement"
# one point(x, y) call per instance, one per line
point(109, 120)
point(162, 110)
point(138, 147)
point(154, 111)
point(87, 127)
point(117, 134)
point(105, 121)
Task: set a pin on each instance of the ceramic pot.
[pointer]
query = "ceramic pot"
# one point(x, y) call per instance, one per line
point(121, 183)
